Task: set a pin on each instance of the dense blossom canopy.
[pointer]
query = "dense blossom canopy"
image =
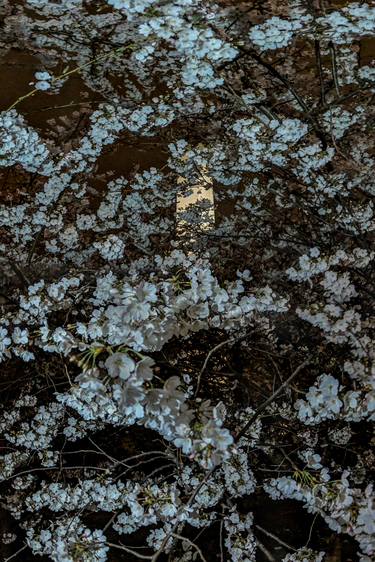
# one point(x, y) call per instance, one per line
point(166, 372)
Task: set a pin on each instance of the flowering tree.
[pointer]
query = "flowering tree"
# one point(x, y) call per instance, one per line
point(163, 372)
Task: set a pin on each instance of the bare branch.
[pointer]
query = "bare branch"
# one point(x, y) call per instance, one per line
point(269, 400)
point(192, 544)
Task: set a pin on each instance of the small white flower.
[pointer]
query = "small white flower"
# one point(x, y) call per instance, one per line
point(120, 365)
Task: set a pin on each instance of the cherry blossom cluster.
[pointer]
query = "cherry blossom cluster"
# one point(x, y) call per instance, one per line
point(161, 369)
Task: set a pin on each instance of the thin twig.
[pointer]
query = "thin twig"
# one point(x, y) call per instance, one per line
point(33, 246)
point(209, 355)
point(68, 73)
point(148, 476)
point(129, 551)
point(221, 541)
point(266, 552)
point(16, 553)
point(185, 506)
point(242, 13)
point(287, 457)
point(191, 543)
point(19, 272)
point(269, 400)
point(310, 531)
point(334, 67)
point(47, 468)
point(275, 538)
point(276, 74)
point(8, 299)
point(318, 57)
point(212, 351)
point(109, 522)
